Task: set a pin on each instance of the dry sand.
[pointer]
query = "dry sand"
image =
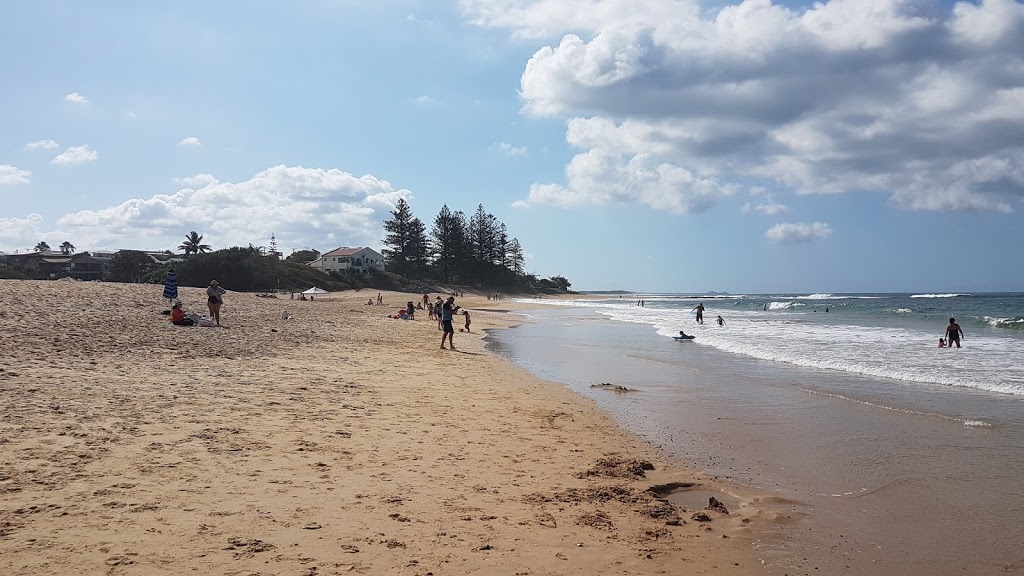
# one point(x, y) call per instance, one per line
point(338, 441)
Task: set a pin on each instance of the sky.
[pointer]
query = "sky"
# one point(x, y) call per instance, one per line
point(659, 146)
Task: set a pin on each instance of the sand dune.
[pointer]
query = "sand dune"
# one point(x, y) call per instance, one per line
point(338, 441)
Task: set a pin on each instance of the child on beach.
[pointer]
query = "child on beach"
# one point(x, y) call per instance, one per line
point(466, 314)
point(942, 342)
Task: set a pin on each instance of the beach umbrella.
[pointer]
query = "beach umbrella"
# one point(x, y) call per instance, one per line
point(171, 285)
point(315, 290)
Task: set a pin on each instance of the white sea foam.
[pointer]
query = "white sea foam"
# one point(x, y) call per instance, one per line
point(784, 305)
point(1004, 322)
point(906, 354)
point(938, 295)
point(976, 424)
point(903, 311)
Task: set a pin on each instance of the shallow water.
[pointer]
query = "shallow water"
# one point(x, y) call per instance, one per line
point(898, 477)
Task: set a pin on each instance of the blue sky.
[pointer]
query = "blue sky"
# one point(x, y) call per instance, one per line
point(669, 145)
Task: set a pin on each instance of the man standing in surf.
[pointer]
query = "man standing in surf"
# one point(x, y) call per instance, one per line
point(700, 312)
point(953, 333)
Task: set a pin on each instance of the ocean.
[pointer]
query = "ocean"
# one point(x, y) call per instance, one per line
point(902, 458)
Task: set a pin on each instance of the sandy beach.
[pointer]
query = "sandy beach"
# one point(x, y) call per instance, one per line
point(336, 441)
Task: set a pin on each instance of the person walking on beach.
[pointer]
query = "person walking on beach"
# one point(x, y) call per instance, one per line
point(447, 309)
point(700, 312)
point(214, 300)
point(953, 333)
point(466, 314)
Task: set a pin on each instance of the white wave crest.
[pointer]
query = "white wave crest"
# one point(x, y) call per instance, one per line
point(976, 424)
point(817, 297)
point(903, 310)
point(784, 305)
point(937, 295)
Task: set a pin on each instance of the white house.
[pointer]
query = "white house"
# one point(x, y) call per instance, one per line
point(345, 258)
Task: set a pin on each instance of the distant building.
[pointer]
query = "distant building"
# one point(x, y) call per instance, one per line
point(358, 259)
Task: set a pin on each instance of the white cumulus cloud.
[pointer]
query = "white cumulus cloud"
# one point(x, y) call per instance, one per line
point(21, 232)
point(798, 233)
point(76, 98)
point(910, 98)
point(13, 175)
point(75, 155)
point(300, 206)
point(41, 145)
point(189, 141)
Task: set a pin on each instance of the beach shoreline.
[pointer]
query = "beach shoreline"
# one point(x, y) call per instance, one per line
point(337, 441)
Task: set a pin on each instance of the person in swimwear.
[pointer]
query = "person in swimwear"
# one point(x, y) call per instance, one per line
point(720, 320)
point(953, 333)
point(700, 312)
point(214, 300)
point(942, 342)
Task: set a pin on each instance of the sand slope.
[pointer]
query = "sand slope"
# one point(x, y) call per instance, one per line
point(336, 442)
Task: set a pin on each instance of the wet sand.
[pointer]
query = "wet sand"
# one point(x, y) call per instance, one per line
point(888, 481)
point(338, 441)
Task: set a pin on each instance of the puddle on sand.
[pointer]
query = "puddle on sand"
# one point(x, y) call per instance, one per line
point(693, 497)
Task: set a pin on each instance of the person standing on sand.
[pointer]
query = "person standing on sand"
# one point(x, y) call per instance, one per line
point(700, 312)
point(953, 333)
point(466, 314)
point(214, 300)
point(447, 309)
point(438, 312)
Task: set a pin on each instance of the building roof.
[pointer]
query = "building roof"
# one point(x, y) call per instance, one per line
point(343, 251)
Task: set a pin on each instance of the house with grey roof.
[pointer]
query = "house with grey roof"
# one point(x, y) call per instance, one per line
point(355, 259)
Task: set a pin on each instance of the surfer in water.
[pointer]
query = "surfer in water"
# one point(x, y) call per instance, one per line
point(683, 336)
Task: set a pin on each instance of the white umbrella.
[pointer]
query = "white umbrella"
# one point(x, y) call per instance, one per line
point(315, 290)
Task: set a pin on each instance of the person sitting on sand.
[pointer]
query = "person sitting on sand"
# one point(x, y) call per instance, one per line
point(369, 302)
point(178, 315)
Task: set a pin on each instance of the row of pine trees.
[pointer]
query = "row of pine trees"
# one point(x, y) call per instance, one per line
point(473, 251)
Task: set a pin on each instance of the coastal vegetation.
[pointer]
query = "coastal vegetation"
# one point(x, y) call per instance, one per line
point(474, 252)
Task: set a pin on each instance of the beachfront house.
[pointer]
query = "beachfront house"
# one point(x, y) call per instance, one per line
point(344, 259)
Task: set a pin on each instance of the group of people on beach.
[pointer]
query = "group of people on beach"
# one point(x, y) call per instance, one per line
point(214, 300)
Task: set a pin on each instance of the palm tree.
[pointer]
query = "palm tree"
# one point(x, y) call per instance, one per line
point(42, 247)
point(193, 244)
point(67, 248)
